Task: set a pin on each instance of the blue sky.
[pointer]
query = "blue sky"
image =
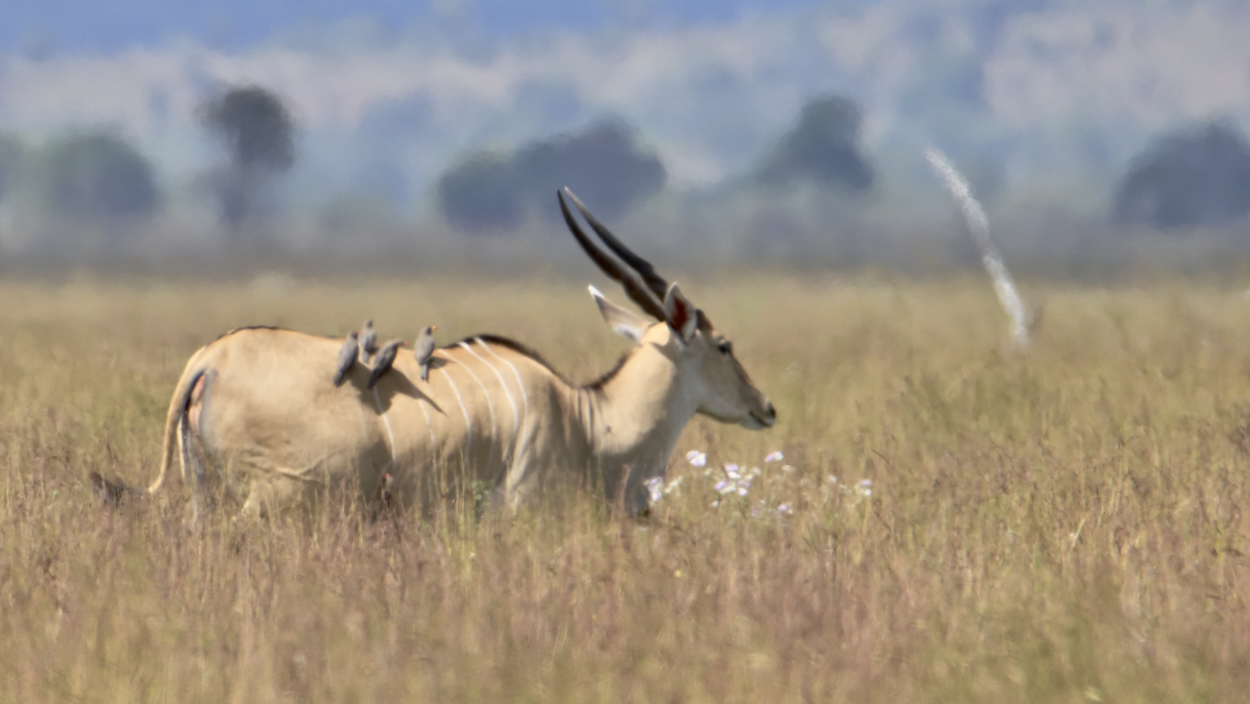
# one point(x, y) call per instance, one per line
point(75, 25)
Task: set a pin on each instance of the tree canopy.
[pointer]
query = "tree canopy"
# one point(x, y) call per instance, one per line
point(10, 163)
point(96, 175)
point(258, 134)
point(821, 148)
point(255, 126)
point(603, 163)
point(1199, 175)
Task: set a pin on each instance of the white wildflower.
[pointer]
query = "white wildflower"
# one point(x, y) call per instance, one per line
point(774, 456)
point(655, 487)
point(696, 458)
point(785, 510)
point(734, 482)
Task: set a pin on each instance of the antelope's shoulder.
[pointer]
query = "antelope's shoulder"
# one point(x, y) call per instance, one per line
point(492, 347)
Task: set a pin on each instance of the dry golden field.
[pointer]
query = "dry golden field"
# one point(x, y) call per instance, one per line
point(1066, 525)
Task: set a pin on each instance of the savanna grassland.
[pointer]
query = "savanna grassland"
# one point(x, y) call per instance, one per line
point(1066, 525)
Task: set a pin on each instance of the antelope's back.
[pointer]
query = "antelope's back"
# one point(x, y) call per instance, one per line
point(270, 407)
point(272, 413)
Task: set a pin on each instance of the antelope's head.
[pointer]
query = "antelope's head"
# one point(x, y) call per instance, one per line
point(711, 375)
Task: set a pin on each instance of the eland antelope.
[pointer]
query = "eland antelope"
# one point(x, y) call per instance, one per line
point(256, 411)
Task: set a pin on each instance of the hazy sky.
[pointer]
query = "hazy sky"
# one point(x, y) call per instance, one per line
point(389, 93)
point(109, 25)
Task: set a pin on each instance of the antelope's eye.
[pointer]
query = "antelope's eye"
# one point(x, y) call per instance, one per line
point(726, 347)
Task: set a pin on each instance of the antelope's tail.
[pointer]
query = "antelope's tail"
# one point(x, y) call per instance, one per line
point(114, 490)
point(175, 419)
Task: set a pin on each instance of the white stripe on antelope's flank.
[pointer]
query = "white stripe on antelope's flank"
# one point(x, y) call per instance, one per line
point(468, 422)
point(378, 399)
point(518, 440)
point(516, 417)
point(490, 405)
point(428, 424)
point(520, 384)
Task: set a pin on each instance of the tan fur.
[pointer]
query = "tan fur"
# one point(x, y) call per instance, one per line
point(173, 417)
point(274, 428)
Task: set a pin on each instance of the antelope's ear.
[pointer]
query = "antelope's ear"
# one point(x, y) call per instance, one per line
point(622, 321)
point(680, 313)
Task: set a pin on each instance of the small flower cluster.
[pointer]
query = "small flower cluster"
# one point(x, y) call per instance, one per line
point(736, 481)
point(859, 492)
point(760, 492)
point(657, 489)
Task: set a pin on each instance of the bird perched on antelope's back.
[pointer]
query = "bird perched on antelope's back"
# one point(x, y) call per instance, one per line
point(385, 358)
point(368, 341)
point(347, 357)
point(423, 348)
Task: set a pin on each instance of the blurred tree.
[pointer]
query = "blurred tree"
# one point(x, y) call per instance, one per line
point(1194, 176)
point(478, 194)
point(10, 164)
point(604, 164)
point(95, 176)
point(822, 148)
point(258, 134)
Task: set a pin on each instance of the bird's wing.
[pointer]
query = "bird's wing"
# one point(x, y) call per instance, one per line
point(347, 354)
point(425, 348)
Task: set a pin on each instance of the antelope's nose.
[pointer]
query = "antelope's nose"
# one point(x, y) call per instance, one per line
point(770, 412)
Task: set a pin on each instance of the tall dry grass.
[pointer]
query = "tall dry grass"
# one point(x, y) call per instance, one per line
point(1067, 525)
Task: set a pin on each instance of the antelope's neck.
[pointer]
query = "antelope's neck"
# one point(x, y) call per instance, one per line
point(636, 417)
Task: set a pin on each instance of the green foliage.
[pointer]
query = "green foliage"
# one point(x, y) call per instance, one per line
point(822, 148)
point(478, 194)
point(604, 164)
point(95, 175)
point(1199, 175)
point(258, 134)
point(255, 126)
point(11, 153)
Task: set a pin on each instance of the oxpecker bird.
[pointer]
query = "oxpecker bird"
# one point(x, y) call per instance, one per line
point(347, 357)
point(368, 341)
point(423, 348)
point(382, 363)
